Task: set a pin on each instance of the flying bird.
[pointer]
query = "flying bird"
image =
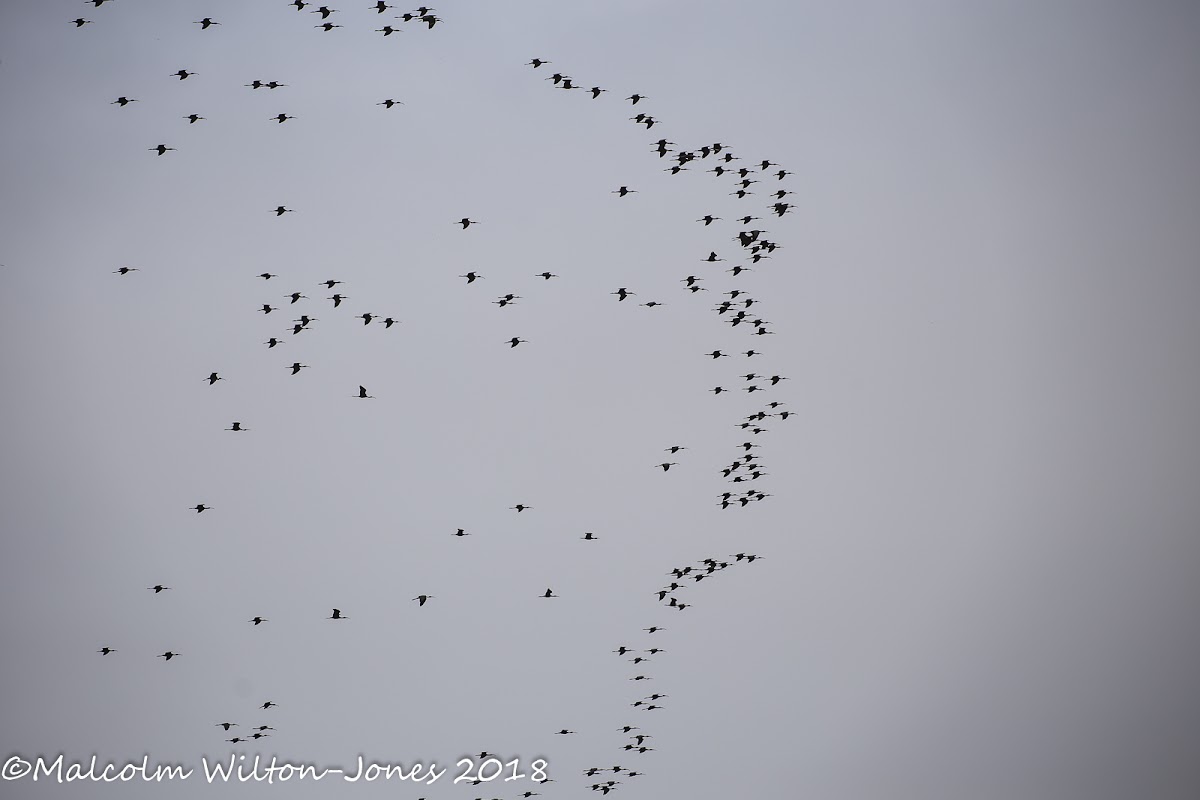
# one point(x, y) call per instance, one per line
point(124, 270)
point(297, 366)
point(362, 394)
point(422, 598)
point(337, 614)
point(205, 23)
point(161, 149)
point(122, 101)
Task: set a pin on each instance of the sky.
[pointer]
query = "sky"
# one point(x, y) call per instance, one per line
point(979, 552)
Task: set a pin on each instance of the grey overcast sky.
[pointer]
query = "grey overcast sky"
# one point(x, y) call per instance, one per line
point(980, 565)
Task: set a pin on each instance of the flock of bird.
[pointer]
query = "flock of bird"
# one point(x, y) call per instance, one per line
point(751, 247)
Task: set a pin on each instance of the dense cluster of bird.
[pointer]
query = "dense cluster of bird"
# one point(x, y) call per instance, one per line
point(734, 307)
point(424, 14)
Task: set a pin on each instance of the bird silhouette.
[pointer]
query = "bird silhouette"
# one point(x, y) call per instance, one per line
point(205, 23)
point(297, 366)
point(122, 102)
point(106, 650)
point(193, 118)
point(125, 270)
point(200, 508)
point(549, 593)
point(213, 378)
point(422, 598)
point(183, 74)
point(237, 426)
point(167, 655)
point(281, 118)
point(337, 614)
point(279, 211)
point(513, 342)
point(362, 394)
point(161, 149)
point(257, 621)
point(158, 588)
point(466, 223)
point(389, 103)
point(624, 191)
